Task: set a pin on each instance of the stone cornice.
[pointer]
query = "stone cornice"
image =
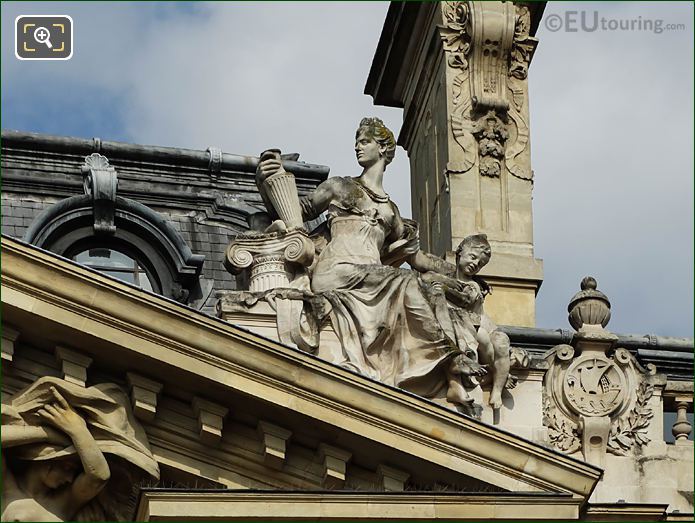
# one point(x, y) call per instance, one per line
point(156, 156)
point(112, 321)
point(161, 177)
point(173, 504)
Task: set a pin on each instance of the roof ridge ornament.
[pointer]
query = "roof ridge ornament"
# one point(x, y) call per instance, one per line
point(596, 396)
point(100, 181)
point(215, 162)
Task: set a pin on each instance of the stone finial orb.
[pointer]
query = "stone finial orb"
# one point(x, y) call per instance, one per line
point(589, 306)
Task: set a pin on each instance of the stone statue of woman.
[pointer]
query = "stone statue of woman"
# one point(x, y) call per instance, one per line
point(55, 439)
point(381, 313)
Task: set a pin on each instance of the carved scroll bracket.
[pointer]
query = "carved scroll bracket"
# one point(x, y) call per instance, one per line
point(274, 443)
point(488, 43)
point(73, 364)
point(101, 183)
point(9, 337)
point(391, 479)
point(492, 32)
point(215, 161)
point(143, 394)
point(210, 420)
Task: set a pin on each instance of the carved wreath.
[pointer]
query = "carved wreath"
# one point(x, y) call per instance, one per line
point(631, 430)
point(563, 433)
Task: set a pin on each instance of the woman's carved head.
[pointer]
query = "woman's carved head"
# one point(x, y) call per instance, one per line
point(375, 129)
point(56, 473)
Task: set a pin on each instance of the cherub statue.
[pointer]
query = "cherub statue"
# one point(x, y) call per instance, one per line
point(55, 438)
point(466, 295)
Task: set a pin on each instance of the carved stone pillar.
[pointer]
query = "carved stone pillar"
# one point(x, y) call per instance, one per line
point(459, 69)
point(677, 397)
point(272, 258)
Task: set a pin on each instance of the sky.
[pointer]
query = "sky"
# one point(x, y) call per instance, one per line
point(611, 120)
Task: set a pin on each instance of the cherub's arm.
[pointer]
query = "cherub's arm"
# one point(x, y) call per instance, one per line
point(458, 298)
point(437, 277)
point(423, 261)
point(95, 468)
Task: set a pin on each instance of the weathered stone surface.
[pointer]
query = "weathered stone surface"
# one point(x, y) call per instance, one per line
point(208, 197)
point(466, 131)
point(63, 439)
point(391, 324)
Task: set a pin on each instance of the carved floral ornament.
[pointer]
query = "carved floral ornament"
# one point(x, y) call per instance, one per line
point(489, 46)
point(100, 182)
point(594, 383)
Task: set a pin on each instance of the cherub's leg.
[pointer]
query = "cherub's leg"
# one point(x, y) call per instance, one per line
point(466, 366)
point(499, 343)
point(456, 392)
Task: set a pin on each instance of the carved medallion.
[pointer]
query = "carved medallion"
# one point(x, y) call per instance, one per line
point(594, 386)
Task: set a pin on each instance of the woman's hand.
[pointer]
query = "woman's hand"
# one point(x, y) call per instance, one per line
point(56, 437)
point(268, 168)
point(61, 415)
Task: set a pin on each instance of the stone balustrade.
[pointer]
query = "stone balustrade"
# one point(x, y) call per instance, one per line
point(678, 398)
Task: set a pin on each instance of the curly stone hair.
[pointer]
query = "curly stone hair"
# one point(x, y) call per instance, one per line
point(476, 242)
point(381, 134)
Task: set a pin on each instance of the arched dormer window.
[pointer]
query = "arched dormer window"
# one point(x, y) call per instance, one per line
point(119, 265)
point(118, 236)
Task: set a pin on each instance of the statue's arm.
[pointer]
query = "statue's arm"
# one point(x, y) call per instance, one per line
point(17, 435)
point(423, 261)
point(95, 468)
point(319, 199)
point(420, 260)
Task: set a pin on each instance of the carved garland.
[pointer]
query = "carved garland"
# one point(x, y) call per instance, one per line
point(629, 431)
point(522, 49)
point(562, 432)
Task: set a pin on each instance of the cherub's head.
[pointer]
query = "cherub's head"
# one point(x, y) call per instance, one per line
point(373, 140)
point(472, 254)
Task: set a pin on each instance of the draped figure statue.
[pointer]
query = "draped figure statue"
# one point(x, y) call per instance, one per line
point(71, 453)
point(382, 314)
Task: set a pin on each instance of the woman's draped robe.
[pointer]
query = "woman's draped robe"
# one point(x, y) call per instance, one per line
point(383, 315)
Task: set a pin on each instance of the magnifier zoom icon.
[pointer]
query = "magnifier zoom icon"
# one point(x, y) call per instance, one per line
point(43, 36)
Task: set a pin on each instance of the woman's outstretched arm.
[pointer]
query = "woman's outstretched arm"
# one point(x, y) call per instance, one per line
point(420, 260)
point(95, 468)
point(18, 435)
